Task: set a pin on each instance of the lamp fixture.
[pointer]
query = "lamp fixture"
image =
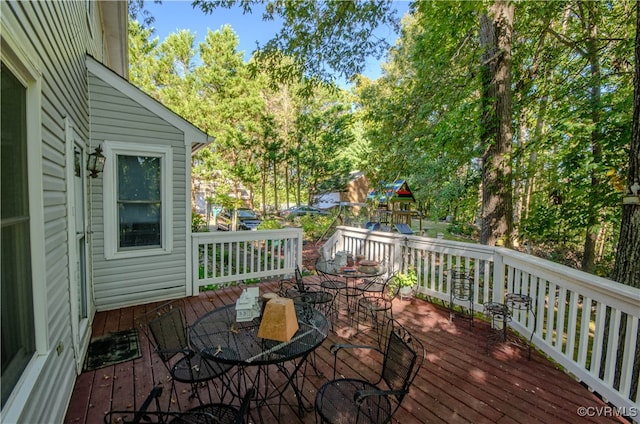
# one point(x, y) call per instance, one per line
point(95, 162)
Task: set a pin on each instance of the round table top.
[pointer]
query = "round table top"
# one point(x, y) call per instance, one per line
point(329, 268)
point(217, 335)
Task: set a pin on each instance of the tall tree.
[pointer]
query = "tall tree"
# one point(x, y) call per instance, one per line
point(496, 31)
point(324, 38)
point(627, 265)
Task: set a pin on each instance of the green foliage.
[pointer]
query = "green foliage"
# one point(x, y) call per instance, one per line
point(408, 279)
point(314, 226)
point(333, 35)
point(270, 224)
point(285, 139)
point(462, 229)
point(423, 115)
point(198, 224)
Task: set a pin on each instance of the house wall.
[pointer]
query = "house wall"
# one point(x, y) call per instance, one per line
point(357, 191)
point(53, 37)
point(115, 117)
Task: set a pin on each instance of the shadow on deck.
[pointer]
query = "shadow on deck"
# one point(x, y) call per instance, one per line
point(461, 381)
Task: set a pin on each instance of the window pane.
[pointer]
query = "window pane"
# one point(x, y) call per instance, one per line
point(139, 224)
point(18, 336)
point(139, 204)
point(138, 178)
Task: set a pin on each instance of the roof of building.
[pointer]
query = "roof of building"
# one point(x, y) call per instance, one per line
point(394, 192)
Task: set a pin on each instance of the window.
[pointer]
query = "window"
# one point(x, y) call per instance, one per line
point(137, 199)
point(139, 202)
point(18, 331)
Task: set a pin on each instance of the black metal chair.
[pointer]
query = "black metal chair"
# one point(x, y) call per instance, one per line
point(293, 287)
point(338, 288)
point(375, 284)
point(311, 294)
point(213, 413)
point(374, 303)
point(166, 329)
point(297, 288)
point(355, 400)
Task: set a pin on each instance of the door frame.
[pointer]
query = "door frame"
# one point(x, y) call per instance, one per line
point(80, 328)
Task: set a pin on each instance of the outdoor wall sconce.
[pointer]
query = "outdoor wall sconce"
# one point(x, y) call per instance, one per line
point(95, 162)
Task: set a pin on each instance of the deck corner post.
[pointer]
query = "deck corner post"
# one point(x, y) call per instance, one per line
point(497, 291)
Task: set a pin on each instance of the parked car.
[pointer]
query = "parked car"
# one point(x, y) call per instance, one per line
point(247, 219)
point(302, 210)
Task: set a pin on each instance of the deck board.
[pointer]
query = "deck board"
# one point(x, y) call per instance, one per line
point(461, 381)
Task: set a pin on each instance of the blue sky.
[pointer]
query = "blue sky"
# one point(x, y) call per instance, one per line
point(171, 16)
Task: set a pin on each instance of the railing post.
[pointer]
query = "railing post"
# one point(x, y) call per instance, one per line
point(497, 291)
point(300, 242)
point(340, 242)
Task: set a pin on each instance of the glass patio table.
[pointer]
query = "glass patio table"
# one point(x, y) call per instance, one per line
point(217, 336)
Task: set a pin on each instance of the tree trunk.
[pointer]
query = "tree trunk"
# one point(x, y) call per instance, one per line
point(594, 219)
point(626, 269)
point(275, 183)
point(496, 128)
point(298, 180)
point(627, 266)
point(263, 183)
point(286, 184)
point(519, 183)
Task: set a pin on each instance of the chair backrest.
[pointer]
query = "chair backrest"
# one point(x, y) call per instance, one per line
point(323, 275)
point(198, 415)
point(299, 280)
point(168, 333)
point(403, 357)
point(391, 288)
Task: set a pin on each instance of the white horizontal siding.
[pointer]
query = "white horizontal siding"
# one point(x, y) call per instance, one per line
point(122, 282)
point(55, 38)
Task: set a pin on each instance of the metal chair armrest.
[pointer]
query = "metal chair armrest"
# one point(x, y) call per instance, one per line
point(140, 414)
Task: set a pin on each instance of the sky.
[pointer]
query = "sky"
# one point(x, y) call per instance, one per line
point(171, 16)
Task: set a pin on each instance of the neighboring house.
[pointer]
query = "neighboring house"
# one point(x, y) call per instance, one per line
point(202, 189)
point(353, 194)
point(72, 244)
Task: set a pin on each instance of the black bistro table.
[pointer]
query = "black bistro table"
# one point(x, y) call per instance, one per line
point(348, 288)
point(217, 336)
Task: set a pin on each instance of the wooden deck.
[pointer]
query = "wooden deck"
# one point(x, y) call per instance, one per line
point(460, 381)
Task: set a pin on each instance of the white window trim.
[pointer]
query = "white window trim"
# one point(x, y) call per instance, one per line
point(111, 149)
point(90, 9)
point(20, 58)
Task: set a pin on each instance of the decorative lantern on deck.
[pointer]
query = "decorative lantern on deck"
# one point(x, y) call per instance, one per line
point(279, 321)
point(247, 306)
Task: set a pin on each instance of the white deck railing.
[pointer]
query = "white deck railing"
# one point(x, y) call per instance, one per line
point(220, 257)
point(580, 319)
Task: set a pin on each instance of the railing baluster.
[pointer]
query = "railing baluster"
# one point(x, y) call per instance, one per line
point(572, 324)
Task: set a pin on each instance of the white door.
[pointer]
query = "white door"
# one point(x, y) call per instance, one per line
point(77, 207)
